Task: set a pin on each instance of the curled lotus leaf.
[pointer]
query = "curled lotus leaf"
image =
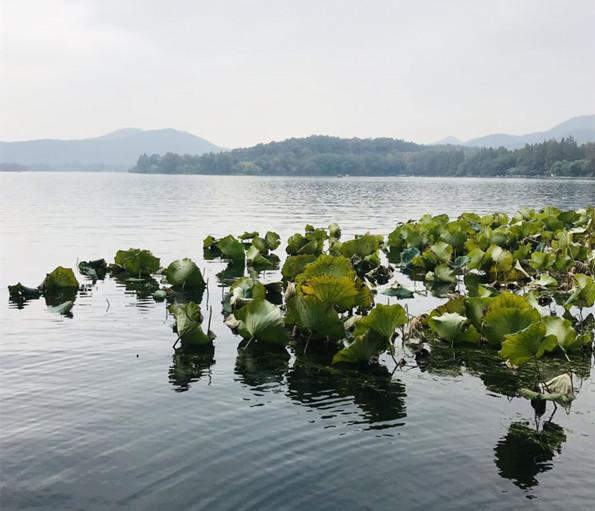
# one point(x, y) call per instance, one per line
point(439, 253)
point(583, 293)
point(527, 344)
point(262, 321)
point(18, 292)
point(383, 320)
point(361, 350)
point(442, 273)
point(558, 389)
point(448, 326)
point(231, 248)
point(398, 291)
point(502, 259)
point(136, 261)
point(246, 288)
point(362, 246)
point(562, 330)
point(95, 269)
point(272, 239)
point(255, 258)
point(59, 279)
point(188, 325)
point(319, 320)
point(184, 274)
point(409, 254)
point(334, 231)
point(63, 308)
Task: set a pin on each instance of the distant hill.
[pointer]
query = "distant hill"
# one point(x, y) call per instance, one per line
point(582, 129)
point(118, 150)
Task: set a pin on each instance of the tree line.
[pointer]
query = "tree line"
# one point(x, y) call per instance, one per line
point(331, 156)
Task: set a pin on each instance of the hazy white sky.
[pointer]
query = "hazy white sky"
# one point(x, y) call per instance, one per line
point(242, 72)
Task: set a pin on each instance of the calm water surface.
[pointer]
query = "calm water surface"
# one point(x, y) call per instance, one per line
point(97, 412)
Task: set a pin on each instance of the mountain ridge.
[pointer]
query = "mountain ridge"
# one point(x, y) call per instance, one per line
point(117, 150)
point(581, 128)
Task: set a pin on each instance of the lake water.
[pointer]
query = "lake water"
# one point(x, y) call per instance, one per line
point(97, 412)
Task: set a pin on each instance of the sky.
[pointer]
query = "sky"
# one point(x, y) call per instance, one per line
point(242, 72)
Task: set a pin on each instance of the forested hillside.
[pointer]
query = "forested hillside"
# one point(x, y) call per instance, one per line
point(331, 156)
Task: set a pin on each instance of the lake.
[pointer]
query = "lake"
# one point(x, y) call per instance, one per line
point(98, 412)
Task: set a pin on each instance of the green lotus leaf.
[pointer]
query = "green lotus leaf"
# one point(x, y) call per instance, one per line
point(583, 294)
point(59, 279)
point(136, 261)
point(383, 320)
point(398, 291)
point(256, 259)
point(294, 265)
point(529, 343)
point(542, 260)
point(442, 273)
point(475, 308)
point(361, 350)
point(231, 248)
point(19, 293)
point(502, 259)
point(448, 326)
point(318, 319)
point(440, 252)
point(361, 246)
point(311, 243)
point(501, 321)
point(460, 262)
point(456, 304)
point(260, 244)
point(338, 291)
point(160, 295)
point(184, 274)
point(272, 239)
point(93, 269)
point(244, 289)
point(262, 321)
point(476, 257)
point(545, 280)
point(408, 255)
point(188, 324)
point(209, 243)
point(328, 265)
point(249, 235)
point(562, 330)
point(334, 231)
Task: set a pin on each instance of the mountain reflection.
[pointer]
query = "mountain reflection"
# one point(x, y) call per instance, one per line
point(379, 399)
point(525, 452)
point(190, 367)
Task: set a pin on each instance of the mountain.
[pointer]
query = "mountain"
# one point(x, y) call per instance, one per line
point(118, 150)
point(582, 129)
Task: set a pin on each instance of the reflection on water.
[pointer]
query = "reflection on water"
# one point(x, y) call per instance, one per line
point(261, 367)
point(525, 452)
point(379, 398)
point(188, 368)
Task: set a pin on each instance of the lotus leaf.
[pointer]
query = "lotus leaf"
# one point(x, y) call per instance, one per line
point(558, 389)
point(383, 320)
point(361, 350)
point(361, 246)
point(338, 291)
point(398, 291)
point(294, 265)
point(527, 344)
point(502, 259)
point(18, 292)
point(273, 240)
point(502, 319)
point(136, 261)
point(328, 265)
point(448, 326)
point(442, 273)
point(58, 280)
point(231, 248)
point(95, 269)
point(562, 330)
point(334, 231)
point(262, 321)
point(184, 274)
point(188, 324)
point(583, 294)
point(318, 319)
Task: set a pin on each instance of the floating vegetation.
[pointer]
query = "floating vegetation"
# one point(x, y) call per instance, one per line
point(516, 288)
